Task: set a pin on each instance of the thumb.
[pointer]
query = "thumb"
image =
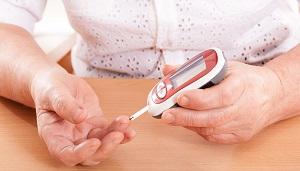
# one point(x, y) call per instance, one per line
point(169, 68)
point(66, 106)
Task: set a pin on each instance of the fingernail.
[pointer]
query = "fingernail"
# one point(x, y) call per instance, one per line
point(183, 100)
point(168, 117)
point(122, 119)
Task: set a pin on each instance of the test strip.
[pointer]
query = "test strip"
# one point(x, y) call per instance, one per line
point(138, 113)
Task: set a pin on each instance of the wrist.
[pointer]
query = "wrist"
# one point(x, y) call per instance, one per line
point(274, 81)
point(286, 67)
point(37, 79)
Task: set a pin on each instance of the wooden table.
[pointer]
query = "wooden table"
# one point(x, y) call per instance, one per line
point(156, 147)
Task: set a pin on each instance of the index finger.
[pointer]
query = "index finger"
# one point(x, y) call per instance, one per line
point(120, 124)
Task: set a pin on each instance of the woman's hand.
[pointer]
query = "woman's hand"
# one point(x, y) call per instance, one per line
point(71, 122)
point(245, 102)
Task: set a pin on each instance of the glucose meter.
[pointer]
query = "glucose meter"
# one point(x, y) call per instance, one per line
point(202, 71)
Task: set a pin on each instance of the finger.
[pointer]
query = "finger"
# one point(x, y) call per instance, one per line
point(169, 68)
point(120, 124)
point(66, 106)
point(70, 154)
point(191, 118)
point(129, 135)
point(109, 143)
point(222, 95)
point(98, 122)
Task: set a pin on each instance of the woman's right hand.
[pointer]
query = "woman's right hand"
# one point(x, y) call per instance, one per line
point(71, 122)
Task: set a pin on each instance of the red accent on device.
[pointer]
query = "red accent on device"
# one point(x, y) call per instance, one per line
point(166, 89)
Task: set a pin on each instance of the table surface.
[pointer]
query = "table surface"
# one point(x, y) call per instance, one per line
point(156, 147)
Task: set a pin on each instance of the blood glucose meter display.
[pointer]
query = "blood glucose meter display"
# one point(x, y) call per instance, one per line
point(187, 72)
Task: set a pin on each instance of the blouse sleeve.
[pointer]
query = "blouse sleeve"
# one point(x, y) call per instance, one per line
point(23, 13)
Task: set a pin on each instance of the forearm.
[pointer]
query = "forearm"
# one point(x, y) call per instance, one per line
point(20, 59)
point(287, 68)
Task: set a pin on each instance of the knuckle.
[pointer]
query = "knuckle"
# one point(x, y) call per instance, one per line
point(212, 120)
point(190, 119)
point(223, 117)
point(219, 117)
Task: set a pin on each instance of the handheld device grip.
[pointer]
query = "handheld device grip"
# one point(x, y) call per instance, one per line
point(202, 71)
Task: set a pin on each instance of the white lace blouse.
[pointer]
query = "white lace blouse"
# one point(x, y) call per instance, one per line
point(135, 38)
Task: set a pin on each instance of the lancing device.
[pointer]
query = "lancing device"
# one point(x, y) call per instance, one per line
point(202, 71)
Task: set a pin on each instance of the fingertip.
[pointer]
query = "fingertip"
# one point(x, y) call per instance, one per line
point(130, 134)
point(123, 119)
point(121, 123)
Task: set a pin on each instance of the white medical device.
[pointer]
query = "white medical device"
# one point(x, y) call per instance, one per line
point(202, 71)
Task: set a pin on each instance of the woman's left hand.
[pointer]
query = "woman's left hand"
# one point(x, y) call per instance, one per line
point(245, 102)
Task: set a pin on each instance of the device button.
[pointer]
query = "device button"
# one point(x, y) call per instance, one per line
point(162, 93)
point(160, 86)
point(161, 90)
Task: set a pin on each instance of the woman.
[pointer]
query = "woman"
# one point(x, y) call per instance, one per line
point(136, 39)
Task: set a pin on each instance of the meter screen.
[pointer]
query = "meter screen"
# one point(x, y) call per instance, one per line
point(187, 72)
